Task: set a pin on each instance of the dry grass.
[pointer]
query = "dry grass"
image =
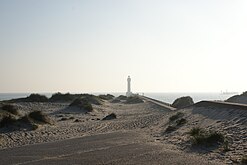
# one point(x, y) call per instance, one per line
point(11, 109)
point(38, 116)
point(202, 137)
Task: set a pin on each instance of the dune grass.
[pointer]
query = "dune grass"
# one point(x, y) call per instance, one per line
point(176, 116)
point(106, 97)
point(11, 109)
point(7, 121)
point(206, 138)
point(110, 116)
point(82, 103)
point(244, 159)
point(40, 117)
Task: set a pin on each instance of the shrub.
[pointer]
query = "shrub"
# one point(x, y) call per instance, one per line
point(38, 116)
point(116, 100)
point(110, 117)
point(201, 137)
point(134, 100)
point(183, 102)
point(59, 97)
point(181, 122)
point(226, 146)
point(82, 103)
point(176, 116)
point(122, 97)
point(244, 159)
point(7, 121)
point(11, 109)
point(106, 97)
point(196, 131)
point(36, 98)
point(92, 99)
point(170, 128)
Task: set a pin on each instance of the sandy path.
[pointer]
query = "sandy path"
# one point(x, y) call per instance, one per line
point(109, 148)
point(148, 119)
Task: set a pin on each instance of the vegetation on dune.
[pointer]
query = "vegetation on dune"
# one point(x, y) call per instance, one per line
point(32, 98)
point(92, 99)
point(110, 116)
point(181, 122)
point(11, 109)
point(134, 100)
point(122, 97)
point(195, 131)
point(176, 121)
point(206, 138)
point(36, 98)
point(116, 100)
point(176, 116)
point(106, 97)
point(182, 102)
point(7, 121)
point(171, 128)
point(59, 97)
point(244, 159)
point(40, 117)
point(30, 121)
point(82, 103)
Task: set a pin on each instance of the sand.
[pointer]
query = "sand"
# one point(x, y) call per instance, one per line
point(149, 119)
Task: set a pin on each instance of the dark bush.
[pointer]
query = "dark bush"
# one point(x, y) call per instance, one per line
point(11, 109)
point(38, 116)
point(181, 122)
point(36, 98)
point(134, 100)
point(92, 99)
point(106, 97)
point(82, 103)
point(183, 102)
point(244, 159)
point(59, 97)
point(116, 100)
point(196, 131)
point(201, 137)
point(122, 97)
point(110, 117)
point(170, 128)
point(176, 116)
point(7, 121)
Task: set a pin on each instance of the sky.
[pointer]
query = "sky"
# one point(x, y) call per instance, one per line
point(92, 46)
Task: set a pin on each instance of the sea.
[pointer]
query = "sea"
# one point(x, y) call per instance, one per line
point(165, 97)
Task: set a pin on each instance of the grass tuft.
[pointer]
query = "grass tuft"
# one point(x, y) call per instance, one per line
point(82, 103)
point(176, 116)
point(244, 159)
point(171, 128)
point(11, 109)
point(38, 116)
point(106, 97)
point(181, 122)
point(201, 137)
point(7, 121)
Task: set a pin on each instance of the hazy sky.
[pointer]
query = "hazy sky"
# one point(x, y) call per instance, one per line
point(92, 46)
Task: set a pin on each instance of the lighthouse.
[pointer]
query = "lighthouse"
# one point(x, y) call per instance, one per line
point(128, 93)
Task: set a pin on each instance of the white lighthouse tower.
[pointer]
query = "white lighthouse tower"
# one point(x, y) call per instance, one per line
point(128, 93)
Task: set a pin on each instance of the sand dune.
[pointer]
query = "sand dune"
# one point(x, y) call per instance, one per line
point(149, 119)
